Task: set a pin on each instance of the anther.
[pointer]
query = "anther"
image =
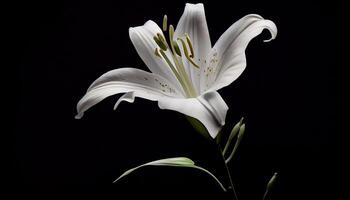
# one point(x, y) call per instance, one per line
point(171, 35)
point(171, 32)
point(176, 48)
point(165, 22)
point(190, 45)
point(162, 39)
point(174, 45)
point(186, 53)
point(160, 42)
point(156, 52)
point(184, 46)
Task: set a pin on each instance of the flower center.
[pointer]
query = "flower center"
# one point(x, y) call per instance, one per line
point(177, 66)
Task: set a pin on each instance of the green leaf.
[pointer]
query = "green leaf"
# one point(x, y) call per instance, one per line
point(172, 162)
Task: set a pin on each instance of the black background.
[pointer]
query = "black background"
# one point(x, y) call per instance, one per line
point(287, 95)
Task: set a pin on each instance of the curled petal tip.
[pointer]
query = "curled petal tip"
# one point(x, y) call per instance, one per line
point(272, 28)
point(79, 116)
point(272, 38)
point(269, 40)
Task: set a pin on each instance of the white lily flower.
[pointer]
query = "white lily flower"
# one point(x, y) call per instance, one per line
point(186, 71)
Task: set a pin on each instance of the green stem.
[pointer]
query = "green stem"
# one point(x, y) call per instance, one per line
point(232, 186)
point(229, 176)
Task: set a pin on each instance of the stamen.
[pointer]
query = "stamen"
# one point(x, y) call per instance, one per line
point(173, 43)
point(177, 67)
point(171, 31)
point(165, 22)
point(168, 61)
point(190, 45)
point(184, 85)
point(160, 43)
point(171, 36)
point(162, 39)
point(186, 53)
point(178, 62)
point(184, 46)
point(182, 70)
point(176, 48)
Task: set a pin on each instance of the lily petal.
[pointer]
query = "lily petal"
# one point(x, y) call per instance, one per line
point(142, 39)
point(194, 23)
point(209, 108)
point(227, 59)
point(132, 81)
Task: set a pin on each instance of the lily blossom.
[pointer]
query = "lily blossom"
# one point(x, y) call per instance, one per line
point(186, 71)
